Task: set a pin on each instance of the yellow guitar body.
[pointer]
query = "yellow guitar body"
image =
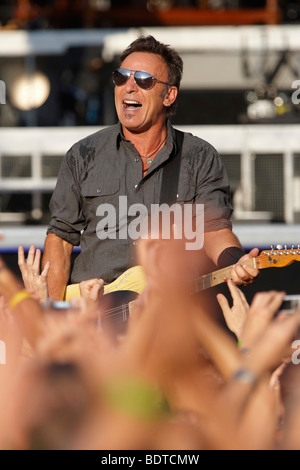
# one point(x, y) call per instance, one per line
point(133, 280)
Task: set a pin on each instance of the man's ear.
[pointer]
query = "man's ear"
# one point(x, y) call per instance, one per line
point(170, 96)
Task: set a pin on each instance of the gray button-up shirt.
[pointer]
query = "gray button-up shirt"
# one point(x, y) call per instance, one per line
point(103, 169)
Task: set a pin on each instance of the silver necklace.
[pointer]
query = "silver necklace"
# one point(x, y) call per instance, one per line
point(149, 160)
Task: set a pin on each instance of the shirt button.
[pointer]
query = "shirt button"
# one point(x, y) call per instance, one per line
point(137, 160)
point(136, 186)
point(99, 190)
point(134, 243)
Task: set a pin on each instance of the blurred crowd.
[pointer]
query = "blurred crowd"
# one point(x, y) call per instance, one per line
point(174, 379)
point(48, 14)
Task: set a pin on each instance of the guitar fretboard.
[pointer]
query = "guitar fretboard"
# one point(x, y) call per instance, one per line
point(217, 277)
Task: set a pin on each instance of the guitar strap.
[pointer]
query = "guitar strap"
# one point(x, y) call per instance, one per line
point(171, 170)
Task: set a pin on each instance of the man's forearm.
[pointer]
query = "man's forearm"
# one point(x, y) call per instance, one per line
point(216, 242)
point(58, 253)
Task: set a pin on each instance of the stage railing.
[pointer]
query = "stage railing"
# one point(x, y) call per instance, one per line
point(263, 163)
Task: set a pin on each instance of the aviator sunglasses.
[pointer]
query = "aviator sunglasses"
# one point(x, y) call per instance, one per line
point(143, 79)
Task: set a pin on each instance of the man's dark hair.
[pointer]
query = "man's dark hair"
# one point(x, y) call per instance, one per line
point(169, 55)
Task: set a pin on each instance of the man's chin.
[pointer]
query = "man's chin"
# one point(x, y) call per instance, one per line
point(133, 126)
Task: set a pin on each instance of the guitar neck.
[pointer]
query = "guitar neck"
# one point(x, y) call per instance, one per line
point(267, 259)
point(217, 277)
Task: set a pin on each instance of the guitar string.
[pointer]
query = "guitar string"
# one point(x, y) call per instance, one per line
point(117, 311)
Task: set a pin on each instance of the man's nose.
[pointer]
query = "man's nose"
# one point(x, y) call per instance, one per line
point(130, 84)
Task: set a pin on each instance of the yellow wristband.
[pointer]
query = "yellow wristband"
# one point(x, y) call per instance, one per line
point(136, 398)
point(18, 297)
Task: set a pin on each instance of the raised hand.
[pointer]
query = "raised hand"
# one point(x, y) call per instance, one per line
point(34, 280)
point(236, 315)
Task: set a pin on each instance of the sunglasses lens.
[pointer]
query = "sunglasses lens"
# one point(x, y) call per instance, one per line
point(120, 76)
point(144, 80)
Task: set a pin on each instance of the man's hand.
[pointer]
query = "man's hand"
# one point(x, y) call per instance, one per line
point(241, 273)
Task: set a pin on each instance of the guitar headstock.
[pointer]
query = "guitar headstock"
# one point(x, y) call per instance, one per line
point(279, 257)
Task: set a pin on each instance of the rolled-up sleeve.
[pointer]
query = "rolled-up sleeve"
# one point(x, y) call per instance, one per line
point(67, 220)
point(213, 190)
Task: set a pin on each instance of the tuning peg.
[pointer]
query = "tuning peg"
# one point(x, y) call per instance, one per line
point(292, 247)
point(272, 247)
point(279, 247)
point(285, 247)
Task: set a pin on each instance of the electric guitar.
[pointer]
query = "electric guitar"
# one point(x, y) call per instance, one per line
point(125, 288)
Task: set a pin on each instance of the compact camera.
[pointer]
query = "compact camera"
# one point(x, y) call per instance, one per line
point(290, 304)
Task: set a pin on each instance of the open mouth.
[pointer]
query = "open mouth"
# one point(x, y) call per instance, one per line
point(131, 104)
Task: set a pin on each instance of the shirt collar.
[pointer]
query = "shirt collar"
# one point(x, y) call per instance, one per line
point(119, 136)
point(171, 143)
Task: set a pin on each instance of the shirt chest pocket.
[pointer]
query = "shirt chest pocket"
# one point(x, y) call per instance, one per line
point(100, 192)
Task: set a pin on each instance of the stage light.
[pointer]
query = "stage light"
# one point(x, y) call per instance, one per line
point(30, 91)
point(160, 4)
point(261, 109)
